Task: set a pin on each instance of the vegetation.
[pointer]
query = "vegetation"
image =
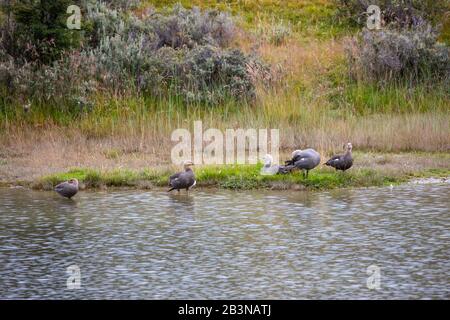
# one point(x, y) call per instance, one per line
point(140, 69)
point(36, 30)
point(403, 13)
point(179, 53)
point(242, 177)
point(408, 55)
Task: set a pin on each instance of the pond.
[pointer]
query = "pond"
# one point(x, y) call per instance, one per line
point(372, 243)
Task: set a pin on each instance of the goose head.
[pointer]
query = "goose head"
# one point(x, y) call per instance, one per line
point(187, 165)
point(26, 107)
point(349, 147)
point(296, 152)
point(267, 160)
point(73, 181)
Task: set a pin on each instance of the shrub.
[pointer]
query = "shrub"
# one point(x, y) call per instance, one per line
point(66, 83)
point(182, 52)
point(211, 75)
point(175, 52)
point(182, 27)
point(36, 30)
point(402, 13)
point(386, 55)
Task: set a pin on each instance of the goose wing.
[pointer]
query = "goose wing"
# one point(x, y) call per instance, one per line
point(304, 163)
point(333, 160)
point(66, 189)
point(61, 186)
point(295, 158)
point(174, 177)
point(285, 169)
point(309, 159)
point(182, 180)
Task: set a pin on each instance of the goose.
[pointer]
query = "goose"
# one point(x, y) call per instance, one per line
point(269, 169)
point(343, 161)
point(184, 179)
point(305, 160)
point(68, 188)
point(26, 107)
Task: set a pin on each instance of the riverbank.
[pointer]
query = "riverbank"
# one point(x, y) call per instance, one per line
point(370, 169)
point(123, 139)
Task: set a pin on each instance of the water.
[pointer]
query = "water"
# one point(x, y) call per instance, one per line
point(230, 245)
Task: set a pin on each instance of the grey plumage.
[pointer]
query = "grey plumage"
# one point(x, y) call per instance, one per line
point(305, 160)
point(342, 162)
point(67, 189)
point(184, 179)
point(269, 169)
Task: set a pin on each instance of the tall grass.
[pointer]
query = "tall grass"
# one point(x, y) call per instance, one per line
point(401, 121)
point(314, 103)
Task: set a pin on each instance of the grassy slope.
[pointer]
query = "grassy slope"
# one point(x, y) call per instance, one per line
point(309, 17)
point(311, 60)
point(315, 105)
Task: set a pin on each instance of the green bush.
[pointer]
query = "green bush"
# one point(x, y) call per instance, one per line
point(36, 30)
point(175, 52)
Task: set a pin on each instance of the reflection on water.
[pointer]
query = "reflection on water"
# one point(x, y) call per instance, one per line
point(221, 244)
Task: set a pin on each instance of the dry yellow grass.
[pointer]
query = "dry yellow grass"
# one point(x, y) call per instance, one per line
point(28, 154)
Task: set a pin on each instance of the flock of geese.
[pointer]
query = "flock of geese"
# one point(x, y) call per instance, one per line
point(304, 160)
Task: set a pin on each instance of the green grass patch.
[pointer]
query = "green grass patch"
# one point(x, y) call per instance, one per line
point(238, 177)
point(361, 98)
point(307, 17)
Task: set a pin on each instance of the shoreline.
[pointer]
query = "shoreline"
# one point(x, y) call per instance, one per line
point(235, 177)
point(141, 170)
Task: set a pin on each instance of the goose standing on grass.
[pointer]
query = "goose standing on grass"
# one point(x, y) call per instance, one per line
point(184, 179)
point(269, 169)
point(343, 161)
point(304, 160)
point(67, 189)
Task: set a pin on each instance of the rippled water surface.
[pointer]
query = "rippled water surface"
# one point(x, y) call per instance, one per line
point(223, 244)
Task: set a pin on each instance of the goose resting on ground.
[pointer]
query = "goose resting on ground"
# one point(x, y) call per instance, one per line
point(269, 169)
point(343, 161)
point(67, 189)
point(184, 179)
point(305, 160)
